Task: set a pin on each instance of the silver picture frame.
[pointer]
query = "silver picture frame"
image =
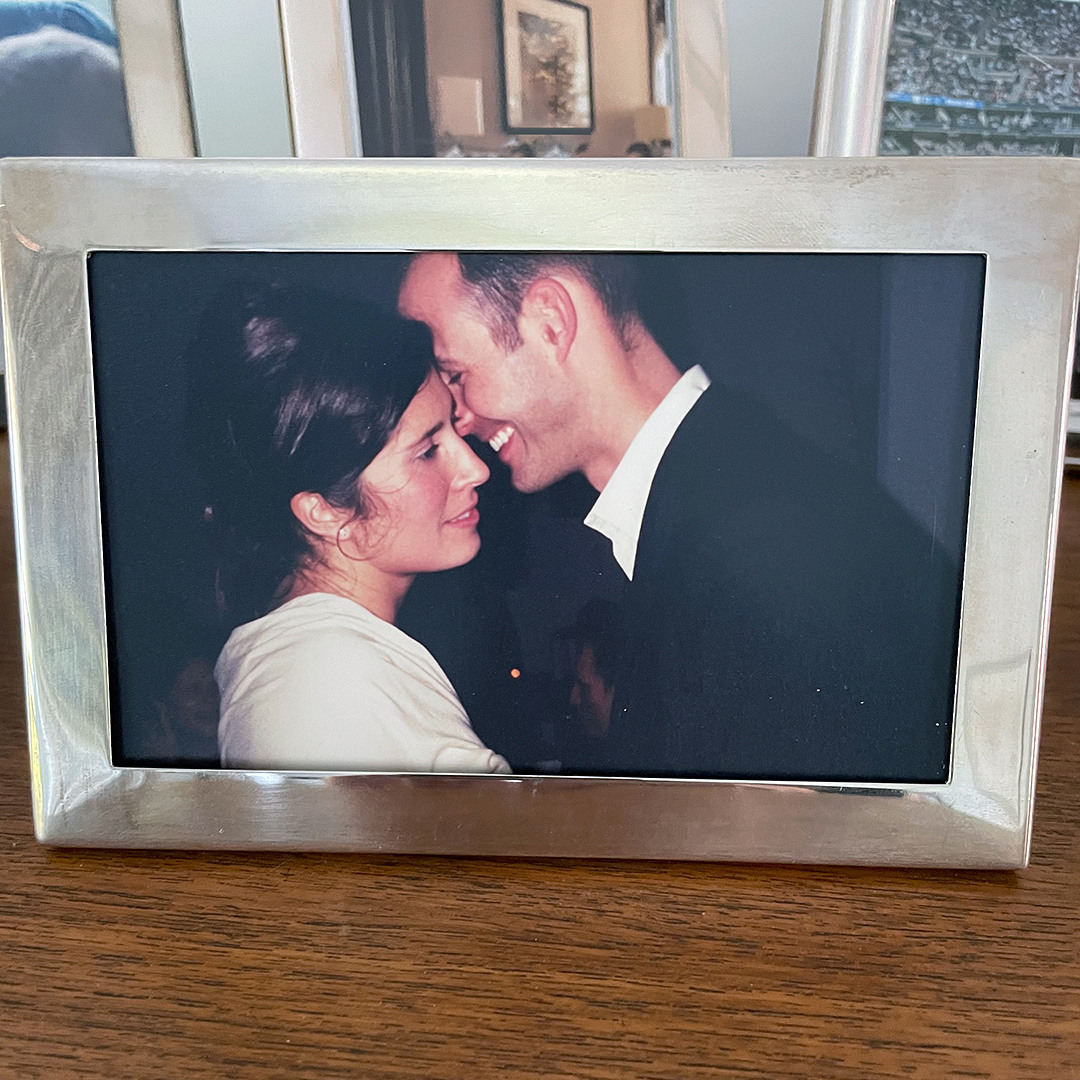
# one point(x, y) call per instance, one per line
point(323, 103)
point(55, 213)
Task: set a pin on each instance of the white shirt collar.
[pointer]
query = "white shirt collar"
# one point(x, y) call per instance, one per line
point(617, 513)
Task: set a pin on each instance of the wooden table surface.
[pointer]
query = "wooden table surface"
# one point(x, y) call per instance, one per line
point(176, 965)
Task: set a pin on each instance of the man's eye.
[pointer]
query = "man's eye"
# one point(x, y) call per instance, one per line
point(429, 453)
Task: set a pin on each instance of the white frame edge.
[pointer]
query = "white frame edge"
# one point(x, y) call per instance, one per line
point(155, 77)
point(699, 39)
point(320, 78)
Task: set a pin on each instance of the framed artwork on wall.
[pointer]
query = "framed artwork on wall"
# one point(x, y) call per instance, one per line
point(546, 67)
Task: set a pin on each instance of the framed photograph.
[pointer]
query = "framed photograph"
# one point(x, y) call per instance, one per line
point(976, 82)
point(509, 531)
point(546, 53)
point(411, 79)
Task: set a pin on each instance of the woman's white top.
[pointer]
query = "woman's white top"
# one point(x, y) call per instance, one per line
point(322, 684)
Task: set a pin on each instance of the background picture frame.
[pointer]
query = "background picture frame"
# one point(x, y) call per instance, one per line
point(323, 40)
point(546, 67)
point(980, 815)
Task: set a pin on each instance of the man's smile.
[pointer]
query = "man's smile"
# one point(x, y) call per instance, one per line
point(501, 438)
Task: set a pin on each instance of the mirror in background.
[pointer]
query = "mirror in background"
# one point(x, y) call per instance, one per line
point(513, 78)
point(978, 77)
point(61, 87)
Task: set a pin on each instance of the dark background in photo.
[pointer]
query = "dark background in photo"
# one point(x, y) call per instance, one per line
point(870, 359)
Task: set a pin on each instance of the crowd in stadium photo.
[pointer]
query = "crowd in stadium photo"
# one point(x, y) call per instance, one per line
point(989, 78)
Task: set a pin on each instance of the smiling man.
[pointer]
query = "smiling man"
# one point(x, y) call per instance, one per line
point(784, 618)
point(536, 350)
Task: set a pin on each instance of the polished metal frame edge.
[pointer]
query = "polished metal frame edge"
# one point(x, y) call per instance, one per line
point(982, 817)
point(1028, 792)
point(21, 555)
point(852, 58)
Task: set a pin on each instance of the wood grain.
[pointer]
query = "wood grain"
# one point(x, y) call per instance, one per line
point(120, 965)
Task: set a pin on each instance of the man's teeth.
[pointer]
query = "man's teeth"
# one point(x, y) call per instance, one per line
point(500, 438)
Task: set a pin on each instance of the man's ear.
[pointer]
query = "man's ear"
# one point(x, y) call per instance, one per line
point(549, 312)
point(318, 516)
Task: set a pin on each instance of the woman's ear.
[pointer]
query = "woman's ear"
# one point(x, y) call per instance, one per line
point(549, 311)
point(318, 516)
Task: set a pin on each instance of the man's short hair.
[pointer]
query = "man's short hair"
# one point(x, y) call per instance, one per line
point(498, 284)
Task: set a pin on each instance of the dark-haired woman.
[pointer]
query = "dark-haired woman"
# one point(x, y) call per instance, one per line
point(339, 478)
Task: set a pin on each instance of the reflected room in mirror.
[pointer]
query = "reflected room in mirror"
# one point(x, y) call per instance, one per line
point(507, 78)
point(520, 78)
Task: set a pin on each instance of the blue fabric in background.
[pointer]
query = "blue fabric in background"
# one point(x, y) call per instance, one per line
point(26, 16)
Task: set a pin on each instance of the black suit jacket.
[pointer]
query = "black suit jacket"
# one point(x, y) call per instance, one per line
point(787, 619)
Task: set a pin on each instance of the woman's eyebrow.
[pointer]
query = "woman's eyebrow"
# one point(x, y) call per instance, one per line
point(428, 434)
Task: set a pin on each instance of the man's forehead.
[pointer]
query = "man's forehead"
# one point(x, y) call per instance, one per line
point(432, 275)
point(435, 292)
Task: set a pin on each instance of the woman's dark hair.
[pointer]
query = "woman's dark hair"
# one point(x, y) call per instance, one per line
point(290, 389)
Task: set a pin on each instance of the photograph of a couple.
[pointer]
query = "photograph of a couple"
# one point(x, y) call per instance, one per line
point(688, 515)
